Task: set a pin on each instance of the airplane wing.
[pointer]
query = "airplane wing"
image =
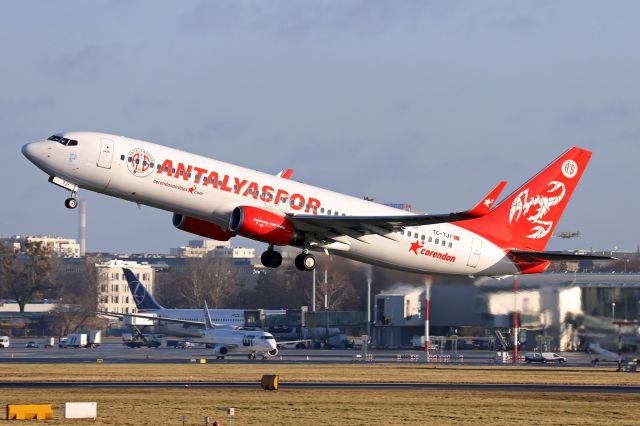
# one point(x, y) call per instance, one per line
point(155, 318)
point(357, 226)
point(285, 174)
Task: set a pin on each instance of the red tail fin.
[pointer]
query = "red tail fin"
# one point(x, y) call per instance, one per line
point(527, 217)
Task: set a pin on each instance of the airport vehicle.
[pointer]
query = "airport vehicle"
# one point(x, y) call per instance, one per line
point(32, 344)
point(223, 338)
point(221, 200)
point(5, 341)
point(92, 339)
point(140, 340)
point(544, 357)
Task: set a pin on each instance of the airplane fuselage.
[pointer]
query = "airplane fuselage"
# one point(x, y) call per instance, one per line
point(207, 189)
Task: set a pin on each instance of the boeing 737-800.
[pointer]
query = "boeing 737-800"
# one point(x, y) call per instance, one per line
point(220, 200)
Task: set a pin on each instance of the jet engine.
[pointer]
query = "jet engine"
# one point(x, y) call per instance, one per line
point(273, 352)
point(200, 227)
point(221, 350)
point(262, 225)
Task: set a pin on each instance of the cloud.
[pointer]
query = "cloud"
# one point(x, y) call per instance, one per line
point(589, 116)
point(87, 61)
point(297, 18)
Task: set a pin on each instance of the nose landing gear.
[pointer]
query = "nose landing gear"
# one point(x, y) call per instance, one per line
point(72, 202)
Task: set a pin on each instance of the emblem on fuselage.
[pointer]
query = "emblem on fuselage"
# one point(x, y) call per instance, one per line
point(140, 162)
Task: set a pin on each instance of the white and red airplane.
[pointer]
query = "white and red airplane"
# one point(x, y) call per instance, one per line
point(220, 200)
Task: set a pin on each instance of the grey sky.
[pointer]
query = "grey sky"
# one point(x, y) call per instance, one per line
point(430, 103)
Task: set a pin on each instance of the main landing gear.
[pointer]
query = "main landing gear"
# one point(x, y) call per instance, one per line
point(305, 261)
point(271, 258)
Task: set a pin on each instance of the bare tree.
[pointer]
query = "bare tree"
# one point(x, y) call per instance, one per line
point(78, 299)
point(214, 280)
point(28, 273)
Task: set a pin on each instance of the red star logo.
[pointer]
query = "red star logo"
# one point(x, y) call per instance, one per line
point(191, 189)
point(415, 246)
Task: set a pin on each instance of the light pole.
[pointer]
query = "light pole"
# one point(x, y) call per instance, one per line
point(368, 306)
point(313, 292)
point(613, 311)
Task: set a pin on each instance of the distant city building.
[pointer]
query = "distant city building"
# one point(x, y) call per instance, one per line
point(65, 247)
point(114, 294)
point(198, 248)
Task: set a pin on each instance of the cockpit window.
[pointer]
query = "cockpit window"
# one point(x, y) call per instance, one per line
point(63, 141)
point(267, 337)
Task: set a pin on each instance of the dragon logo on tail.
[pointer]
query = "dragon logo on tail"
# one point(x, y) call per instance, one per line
point(535, 208)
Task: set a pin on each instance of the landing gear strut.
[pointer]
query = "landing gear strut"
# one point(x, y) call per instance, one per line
point(305, 261)
point(72, 202)
point(271, 258)
point(252, 355)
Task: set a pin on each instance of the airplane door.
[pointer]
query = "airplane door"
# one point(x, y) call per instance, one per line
point(106, 153)
point(476, 249)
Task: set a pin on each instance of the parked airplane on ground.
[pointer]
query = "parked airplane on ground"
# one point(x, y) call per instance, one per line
point(220, 200)
point(220, 337)
point(146, 304)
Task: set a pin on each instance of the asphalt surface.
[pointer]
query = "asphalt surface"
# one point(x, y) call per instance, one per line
point(117, 353)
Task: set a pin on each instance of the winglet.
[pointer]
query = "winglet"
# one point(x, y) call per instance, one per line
point(207, 318)
point(484, 205)
point(285, 174)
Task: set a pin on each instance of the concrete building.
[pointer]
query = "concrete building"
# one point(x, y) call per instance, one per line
point(65, 247)
point(114, 294)
point(199, 248)
point(574, 309)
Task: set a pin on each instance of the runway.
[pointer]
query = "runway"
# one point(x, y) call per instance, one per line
point(117, 353)
point(482, 387)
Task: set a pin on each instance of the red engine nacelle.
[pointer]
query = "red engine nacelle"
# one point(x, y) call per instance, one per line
point(200, 227)
point(262, 225)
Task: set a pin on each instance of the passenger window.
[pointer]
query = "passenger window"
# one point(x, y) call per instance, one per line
point(437, 241)
point(430, 239)
point(122, 157)
point(450, 245)
point(321, 209)
point(329, 211)
point(444, 243)
point(408, 234)
point(422, 238)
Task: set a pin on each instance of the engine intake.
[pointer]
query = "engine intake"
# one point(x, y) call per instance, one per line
point(200, 227)
point(262, 225)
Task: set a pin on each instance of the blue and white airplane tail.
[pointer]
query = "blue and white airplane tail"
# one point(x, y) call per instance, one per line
point(144, 300)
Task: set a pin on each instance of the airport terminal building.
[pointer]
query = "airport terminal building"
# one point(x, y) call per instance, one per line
point(571, 308)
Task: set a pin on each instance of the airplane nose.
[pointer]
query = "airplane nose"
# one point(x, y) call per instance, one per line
point(27, 151)
point(36, 152)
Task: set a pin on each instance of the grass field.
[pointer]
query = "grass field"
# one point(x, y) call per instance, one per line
point(319, 372)
point(328, 406)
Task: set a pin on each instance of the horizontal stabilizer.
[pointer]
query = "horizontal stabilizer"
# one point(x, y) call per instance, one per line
point(554, 256)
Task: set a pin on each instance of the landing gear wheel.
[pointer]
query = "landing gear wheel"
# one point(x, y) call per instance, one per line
point(252, 356)
point(305, 262)
point(271, 259)
point(71, 203)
